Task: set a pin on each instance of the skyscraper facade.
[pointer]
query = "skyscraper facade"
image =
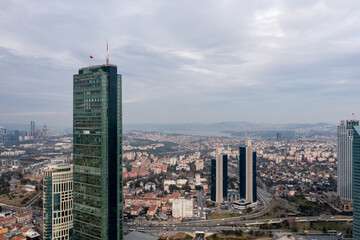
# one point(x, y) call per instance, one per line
point(97, 154)
point(247, 172)
point(32, 128)
point(2, 134)
point(356, 183)
point(219, 178)
point(58, 202)
point(345, 158)
point(213, 180)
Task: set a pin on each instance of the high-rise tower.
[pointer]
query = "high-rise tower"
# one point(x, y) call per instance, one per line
point(219, 178)
point(356, 182)
point(97, 154)
point(58, 202)
point(345, 157)
point(247, 172)
point(32, 128)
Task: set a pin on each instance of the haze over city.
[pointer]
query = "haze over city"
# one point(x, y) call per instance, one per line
point(179, 120)
point(184, 61)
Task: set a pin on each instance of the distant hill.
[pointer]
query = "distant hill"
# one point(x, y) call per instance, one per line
point(26, 127)
point(231, 126)
point(16, 126)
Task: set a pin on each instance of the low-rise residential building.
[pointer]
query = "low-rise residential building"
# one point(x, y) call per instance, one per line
point(24, 217)
point(136, 210)
point(152, 210)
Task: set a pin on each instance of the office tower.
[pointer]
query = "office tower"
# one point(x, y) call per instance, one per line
point(2, 134)
point(247, 172)
point(97, 154)
point(32, 128)
point(356, 182)
point(44, 131)
point(17, 135)
point(345, 144)
point(278, 137)
point(58, 202)
point(219, 178)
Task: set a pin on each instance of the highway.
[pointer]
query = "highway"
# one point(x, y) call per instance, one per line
point(265, 199)
point(244, 222)
point(232, 224)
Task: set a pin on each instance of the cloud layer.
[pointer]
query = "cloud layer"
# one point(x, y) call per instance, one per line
point(185, 61)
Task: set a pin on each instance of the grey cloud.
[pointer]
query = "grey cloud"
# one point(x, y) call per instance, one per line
point(185, 61)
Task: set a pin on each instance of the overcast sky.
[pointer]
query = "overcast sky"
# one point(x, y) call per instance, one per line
point(185, 61)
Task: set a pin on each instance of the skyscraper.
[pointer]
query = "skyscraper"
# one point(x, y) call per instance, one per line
point(356, 182)
point(345, 158)
point(247, 172)
point(32, 128)
point(219, 178)
point(97, 154)
point(213, 180)
point(2, 134)
point(58, 202)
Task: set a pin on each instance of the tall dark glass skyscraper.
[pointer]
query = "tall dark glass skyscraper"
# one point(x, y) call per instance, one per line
point(32, 128)
point(247, 172)
point(219, 178)
point(356, 182)
point(97, 160)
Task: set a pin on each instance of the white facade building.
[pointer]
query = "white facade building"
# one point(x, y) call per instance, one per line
point(182, 208)
point(345, 158)
point(167, 184)
point(58, 202)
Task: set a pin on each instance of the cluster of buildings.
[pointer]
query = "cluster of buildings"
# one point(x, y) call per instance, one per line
point(302, 165)
point(17, 226)
point(141, 164)
point(85, 200)
point(33, 156)
point(13, 137)
point(162, 192)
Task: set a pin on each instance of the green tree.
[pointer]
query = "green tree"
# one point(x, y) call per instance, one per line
point(199, 187)
point(173, 187)
point(249, 210)
point(187, 188)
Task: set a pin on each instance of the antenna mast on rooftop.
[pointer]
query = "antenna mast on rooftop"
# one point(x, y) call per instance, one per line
point(107, 53)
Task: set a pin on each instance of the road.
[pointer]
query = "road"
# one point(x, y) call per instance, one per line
point(201, 204)
point(29, 205)
point(232, 224)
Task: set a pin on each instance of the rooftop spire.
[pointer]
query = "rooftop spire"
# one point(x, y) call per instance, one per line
point(107, 53)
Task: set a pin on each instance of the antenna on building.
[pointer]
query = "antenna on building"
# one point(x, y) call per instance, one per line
point(107, 53)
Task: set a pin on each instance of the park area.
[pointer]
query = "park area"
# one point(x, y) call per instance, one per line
point(18, 200)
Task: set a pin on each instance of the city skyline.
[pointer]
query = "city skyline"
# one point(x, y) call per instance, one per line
point(291, 62)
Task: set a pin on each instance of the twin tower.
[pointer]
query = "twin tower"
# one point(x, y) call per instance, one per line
point(247, 175)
